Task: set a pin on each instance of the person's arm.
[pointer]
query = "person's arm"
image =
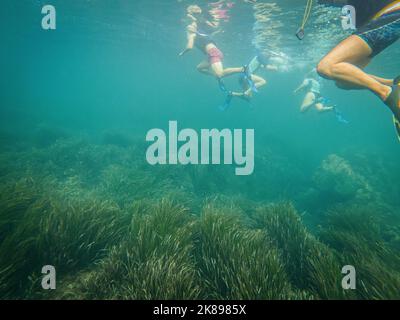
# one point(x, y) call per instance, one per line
point(189, 45)
point(191, 36)
point(303, 85)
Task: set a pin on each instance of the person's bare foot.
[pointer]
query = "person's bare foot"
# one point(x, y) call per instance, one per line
point(242, 95)
point(237, 94)
point(248, 94)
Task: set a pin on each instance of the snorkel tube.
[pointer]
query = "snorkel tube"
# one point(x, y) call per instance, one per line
point(300, 34)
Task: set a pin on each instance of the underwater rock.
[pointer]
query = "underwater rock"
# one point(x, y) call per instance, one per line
point(337, 178)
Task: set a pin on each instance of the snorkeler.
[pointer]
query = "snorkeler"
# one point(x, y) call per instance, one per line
point(378, 27)
point(249, 81)
point(199, 35)
point(248, 89)
point(313, 97)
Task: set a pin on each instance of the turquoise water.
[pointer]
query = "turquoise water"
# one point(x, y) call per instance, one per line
point(128, 53)
point(77, 103)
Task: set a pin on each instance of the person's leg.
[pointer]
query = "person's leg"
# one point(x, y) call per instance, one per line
point(362, 64)
point(230, 71)
point(349, 86)
point(341, 65)
point(322, 108)
point(244, 85)
point(308, 102)
point(204, 67)
point(387, 82)
point(220, 72)
point(258, 83)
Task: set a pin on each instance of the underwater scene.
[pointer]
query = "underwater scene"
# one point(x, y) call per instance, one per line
point(199, 150)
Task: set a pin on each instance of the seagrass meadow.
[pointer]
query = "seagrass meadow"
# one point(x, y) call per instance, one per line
point(116, 228)
point(77, 192)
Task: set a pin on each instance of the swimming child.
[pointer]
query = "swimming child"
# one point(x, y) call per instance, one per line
point(256, 81)
point(313, 97)
point(199, 35)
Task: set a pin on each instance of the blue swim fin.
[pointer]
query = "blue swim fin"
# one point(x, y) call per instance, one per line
point(338, 114)
point(227, 102)
point(253, 65)
point(250, 82)
point(340, 117)
point(222, 86)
